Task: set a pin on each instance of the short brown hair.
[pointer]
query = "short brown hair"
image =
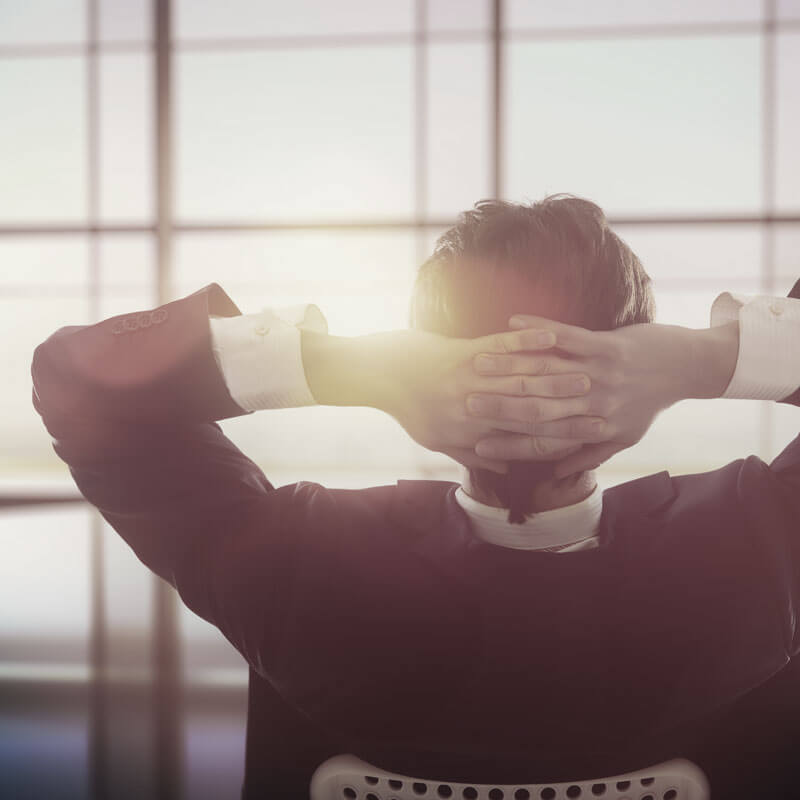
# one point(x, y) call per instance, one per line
point(557, 258)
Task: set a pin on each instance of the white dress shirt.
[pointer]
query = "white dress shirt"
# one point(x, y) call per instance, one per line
point(261, 361)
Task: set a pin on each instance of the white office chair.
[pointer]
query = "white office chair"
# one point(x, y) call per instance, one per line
point(346, 777)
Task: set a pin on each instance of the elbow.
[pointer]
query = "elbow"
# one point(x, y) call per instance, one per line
point(53, 397)
point(39, 372)
point(42, 378)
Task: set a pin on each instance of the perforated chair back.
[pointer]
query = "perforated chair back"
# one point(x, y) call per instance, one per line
point(346, 777)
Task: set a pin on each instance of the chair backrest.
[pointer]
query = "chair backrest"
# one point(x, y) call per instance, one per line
point(346, 777)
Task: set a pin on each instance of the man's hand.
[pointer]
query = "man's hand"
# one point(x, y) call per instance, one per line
point(423, 380)
point(635, 372)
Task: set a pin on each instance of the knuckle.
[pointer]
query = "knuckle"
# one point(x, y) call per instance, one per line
point(499, 343)
point(533, 412)
point(503, 363)
point(538, 446)
point(595, 429)
point(573, 429)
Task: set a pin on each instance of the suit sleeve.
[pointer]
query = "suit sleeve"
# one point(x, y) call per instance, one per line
point(768, 368)
point(132, 405)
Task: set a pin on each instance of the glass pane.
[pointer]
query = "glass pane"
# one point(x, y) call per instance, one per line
point(787, 255)
point(691, 307)
point(458, 127)
point(785, 283)
point(126, 137)
point(785, 427)
point(42, 22)
point(720, 256)
point(591, 13)
point(44, 742)
point(362, 283)
point(787, 134)
point(788, 9)
point(125, 20)
point(46, 556)
point(360, 280)
point(628, 124)
point(692, 436)
point(27, 446)
point(458, 15)
point(209, 19)
point(127, 273)
point(42, 140)
point(44, 628)
point(127, 264)
point(125, 301)
point(32, 265)
point(215, 744)
point(253, 147)
point(43, 284)
point(428, 239)
point(128, 607)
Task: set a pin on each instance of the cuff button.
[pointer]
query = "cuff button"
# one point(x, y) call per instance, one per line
point(776, 309)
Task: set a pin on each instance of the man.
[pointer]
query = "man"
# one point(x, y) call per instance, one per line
point(521, 627)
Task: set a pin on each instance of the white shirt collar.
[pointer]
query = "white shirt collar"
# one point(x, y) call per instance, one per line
point(561, 530)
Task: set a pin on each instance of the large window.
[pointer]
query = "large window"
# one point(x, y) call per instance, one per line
point(312, 152)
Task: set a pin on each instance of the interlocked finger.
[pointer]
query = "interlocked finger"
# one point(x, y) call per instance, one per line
point(568, 385)
point(524, 364)
point(530, 410)
point(571, 338)
point(579, 429)
point(515, 341)
point(514, 447)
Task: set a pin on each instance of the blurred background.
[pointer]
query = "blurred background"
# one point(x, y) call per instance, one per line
point(312, 151)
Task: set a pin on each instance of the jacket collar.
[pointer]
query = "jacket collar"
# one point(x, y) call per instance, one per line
point(557, 528)
point(441, 532)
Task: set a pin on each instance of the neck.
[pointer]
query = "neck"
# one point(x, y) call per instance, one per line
point(545, 496)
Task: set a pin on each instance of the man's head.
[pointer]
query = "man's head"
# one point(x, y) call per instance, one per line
point(558, 259)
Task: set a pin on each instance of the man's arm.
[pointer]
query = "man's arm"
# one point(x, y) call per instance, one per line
point(730, 535)
point(132, 404)
point(751, 351)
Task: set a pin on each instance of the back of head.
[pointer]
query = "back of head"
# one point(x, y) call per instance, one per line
point(557, 259)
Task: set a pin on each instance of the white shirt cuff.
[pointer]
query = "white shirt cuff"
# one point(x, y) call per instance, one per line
point(768, 364)
point(260, 356)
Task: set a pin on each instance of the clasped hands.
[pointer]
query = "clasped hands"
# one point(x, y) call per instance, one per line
point(541, 391)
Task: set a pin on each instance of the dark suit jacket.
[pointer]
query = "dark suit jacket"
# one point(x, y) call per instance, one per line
point(374, 623)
